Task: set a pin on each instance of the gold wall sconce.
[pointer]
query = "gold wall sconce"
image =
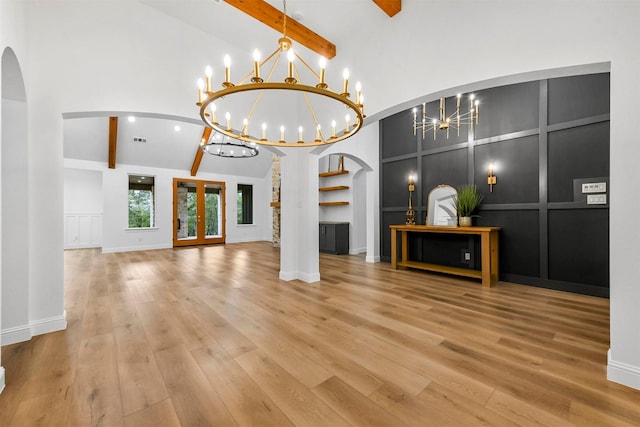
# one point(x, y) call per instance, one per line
point(411, 214)
point(491, 177)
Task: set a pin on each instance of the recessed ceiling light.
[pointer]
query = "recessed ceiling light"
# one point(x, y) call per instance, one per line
point(176, 128)
point(131, 119)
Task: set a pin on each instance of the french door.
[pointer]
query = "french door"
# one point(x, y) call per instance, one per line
point(198, 212)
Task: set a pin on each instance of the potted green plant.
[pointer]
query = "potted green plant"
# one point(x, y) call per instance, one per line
point(467, 201)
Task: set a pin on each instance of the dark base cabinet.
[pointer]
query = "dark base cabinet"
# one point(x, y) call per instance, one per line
point(334, 237)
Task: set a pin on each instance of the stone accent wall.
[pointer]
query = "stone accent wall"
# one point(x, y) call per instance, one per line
point(275, 197)
point(183, 214)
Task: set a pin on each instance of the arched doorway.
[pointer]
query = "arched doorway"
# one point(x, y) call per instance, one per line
point(14, 272)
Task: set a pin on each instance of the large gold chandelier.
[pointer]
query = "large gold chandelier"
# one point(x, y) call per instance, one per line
point(241, 110)
point(444, 122)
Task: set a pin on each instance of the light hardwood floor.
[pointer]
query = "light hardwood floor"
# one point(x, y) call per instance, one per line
point(209, 336)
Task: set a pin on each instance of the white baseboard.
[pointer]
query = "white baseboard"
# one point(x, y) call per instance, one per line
point(305, 277)
point(87, 246)
point(372, 258)
point(15, 335)
point(287, 275)
point(246, 240)
point(356, 251)
point(623, 373)
point(38, 327)
point(51, 324)
point(309, 278)
point(1, 379)
point(135, 248)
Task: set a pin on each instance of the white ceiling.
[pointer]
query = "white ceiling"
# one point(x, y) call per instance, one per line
point(335, 20)
point(86, 138)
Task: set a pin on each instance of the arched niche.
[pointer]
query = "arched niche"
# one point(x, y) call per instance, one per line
point(356, 195)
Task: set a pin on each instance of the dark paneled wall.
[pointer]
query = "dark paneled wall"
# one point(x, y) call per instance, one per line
point(546, 138)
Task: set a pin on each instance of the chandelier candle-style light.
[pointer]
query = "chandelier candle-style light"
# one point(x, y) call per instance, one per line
point(260, 107)
point(444, 122)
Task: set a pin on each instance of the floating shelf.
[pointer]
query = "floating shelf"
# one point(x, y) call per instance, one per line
point(333, 173)
point(334, 188)
point(274, 204)
point(333, 203)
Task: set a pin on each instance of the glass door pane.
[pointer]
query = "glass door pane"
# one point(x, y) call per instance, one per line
point(187, 210)
point(212, 211)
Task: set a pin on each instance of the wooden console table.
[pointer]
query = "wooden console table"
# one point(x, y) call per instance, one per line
point(488, 244)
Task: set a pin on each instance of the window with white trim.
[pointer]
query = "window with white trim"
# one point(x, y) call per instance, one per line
point(142, 204)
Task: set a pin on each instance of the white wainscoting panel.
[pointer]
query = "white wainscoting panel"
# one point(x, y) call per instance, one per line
point(82, 230)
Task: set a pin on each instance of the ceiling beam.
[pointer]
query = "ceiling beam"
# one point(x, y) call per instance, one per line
point(196, 161)
point(274, 18)
point(390, 7)
point(113, 141)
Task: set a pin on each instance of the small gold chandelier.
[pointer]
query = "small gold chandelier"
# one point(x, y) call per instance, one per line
point(444, 122)
point(255, 128)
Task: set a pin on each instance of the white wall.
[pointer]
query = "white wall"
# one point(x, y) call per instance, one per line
point(117, 237)
point(82, 190)
point(15, 227)
point(262, 211)
point(497, 38)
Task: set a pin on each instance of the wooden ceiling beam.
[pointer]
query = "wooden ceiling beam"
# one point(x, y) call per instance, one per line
point(113, 141)
point(390, 7)
point(274, 18)
point(196, 161)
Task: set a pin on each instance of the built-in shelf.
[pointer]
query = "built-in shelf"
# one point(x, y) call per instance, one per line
point(333, 173)
point(333, 203)
point(274, 204)
point(335, 188)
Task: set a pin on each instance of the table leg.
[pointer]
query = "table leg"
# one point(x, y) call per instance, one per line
point(494, 257)
point(485, 243)
point(394, 249)
point(405, 249)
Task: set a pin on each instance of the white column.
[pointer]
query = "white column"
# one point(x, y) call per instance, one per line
point(299, 258)
point(373, 216)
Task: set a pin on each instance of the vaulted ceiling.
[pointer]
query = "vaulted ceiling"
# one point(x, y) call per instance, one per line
point(151, 140)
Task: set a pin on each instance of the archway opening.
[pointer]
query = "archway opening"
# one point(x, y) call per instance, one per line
point(343, 198)
point(14, 272)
